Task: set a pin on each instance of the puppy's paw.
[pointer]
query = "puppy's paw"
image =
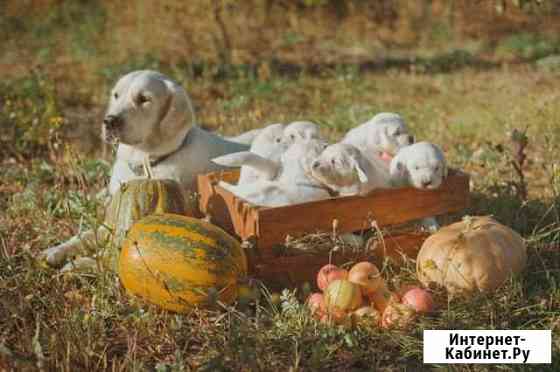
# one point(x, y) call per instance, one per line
point(430, 225)
point(228, 186)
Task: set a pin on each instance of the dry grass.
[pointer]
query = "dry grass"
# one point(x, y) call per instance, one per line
point(88, 323)
point(50, 172)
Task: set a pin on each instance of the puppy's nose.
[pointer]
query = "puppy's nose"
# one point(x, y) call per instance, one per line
point(112, 121)
point(315, 164)
point(411, 139)
point(426, 183)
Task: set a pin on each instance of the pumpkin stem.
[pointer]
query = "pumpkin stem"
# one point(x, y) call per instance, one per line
point(147, 167)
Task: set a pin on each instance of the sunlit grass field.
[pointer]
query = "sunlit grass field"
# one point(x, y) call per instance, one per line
point(87, 322)
point(468, 81)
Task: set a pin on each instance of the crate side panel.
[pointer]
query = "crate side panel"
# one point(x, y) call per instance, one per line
point(215, 201)
point(291, 270)
point(386, 207)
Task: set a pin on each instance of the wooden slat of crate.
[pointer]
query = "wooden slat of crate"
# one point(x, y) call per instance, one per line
point(271, 225)
point(225, 209)
point(386, 207)
point(292, 270)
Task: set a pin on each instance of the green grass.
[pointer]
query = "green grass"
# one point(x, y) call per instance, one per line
point(78, 322)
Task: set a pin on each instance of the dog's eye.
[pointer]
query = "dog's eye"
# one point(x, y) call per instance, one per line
point(436, 168)
point(416, 167)
point(292, 136)
point(278, 139)
point(333, 161)
point(142, 99)
point(116, 95)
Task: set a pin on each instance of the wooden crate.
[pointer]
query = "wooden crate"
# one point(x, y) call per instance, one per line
point(267, 228)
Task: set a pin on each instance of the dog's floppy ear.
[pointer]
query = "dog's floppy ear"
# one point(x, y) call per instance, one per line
point(398, 167)
point(177, 111)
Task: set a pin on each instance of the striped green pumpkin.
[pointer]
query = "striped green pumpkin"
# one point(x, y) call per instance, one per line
point(137, 199)
point(179, 263)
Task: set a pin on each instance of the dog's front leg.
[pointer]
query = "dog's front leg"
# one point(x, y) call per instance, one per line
point(56, 255)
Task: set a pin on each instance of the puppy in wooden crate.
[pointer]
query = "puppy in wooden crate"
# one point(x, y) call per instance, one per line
point(381, 137)
point(293, 132)
point(292, 185)
point(267, 148)
point(263, 160)
point(345, 169)
point(423, 166)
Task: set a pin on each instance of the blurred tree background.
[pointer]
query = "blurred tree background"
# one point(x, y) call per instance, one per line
point(90, 37)
point(68, 53)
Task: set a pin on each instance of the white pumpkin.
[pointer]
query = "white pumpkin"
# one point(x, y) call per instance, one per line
point(476, 254)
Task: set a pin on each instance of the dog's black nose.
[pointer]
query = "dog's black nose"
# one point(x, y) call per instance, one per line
point(411, 139)
point(315, 164)
point(426, 183)
point(112, 121)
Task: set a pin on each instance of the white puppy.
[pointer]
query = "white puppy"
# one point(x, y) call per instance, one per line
point(151, 116)
point(246, 138)
point(297, 130)
point(343, 168)
point(293, 185)
point(269, 144)
point(301, 131)
point(381, 136)
point(423, 166)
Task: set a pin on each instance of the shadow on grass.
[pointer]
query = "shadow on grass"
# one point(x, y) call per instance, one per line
point(447, 62)
point(534, 219)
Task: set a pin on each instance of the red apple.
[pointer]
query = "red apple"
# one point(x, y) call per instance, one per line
point(328, 274)
point(398, 315)
point(367, 276)
point(381, 298)
point(366, 315)
point(419, 299)
point(316, 303)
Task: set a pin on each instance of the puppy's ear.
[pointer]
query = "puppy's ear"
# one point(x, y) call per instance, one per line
point(377, 134)
point(443, 162)
point(237, 159)
point(359, 168)
point(309, 134)
point(445, 170)
point(398, 167)
point(177, 111)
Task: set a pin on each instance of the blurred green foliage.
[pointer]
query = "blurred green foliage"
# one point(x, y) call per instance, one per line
point(30, 115)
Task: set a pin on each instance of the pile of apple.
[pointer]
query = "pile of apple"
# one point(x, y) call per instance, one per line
point(360, 295)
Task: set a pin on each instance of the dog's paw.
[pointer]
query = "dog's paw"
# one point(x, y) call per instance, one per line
point(53, 256)
point(80, 264)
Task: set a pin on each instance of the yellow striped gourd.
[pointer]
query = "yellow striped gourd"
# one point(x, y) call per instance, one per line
point(137, 199)
point(179, 262)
